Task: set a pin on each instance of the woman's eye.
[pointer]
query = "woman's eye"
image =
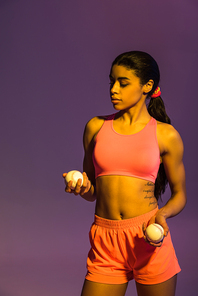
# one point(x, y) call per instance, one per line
point(121, 84)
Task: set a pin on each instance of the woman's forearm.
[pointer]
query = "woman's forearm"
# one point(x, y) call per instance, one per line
point(174, 205)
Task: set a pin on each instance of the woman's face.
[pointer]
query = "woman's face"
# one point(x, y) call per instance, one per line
point(125, 88)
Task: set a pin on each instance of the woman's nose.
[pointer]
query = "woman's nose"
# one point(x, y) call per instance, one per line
point(114, 87)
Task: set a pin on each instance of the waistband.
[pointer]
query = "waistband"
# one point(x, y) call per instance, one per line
point(126, 223)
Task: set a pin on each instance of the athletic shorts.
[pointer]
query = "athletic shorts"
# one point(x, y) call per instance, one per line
point(119, 253)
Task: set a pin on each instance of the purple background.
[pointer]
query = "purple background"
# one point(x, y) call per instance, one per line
point(55, 58)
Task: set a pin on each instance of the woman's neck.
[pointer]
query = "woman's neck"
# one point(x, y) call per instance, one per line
point(134, 115)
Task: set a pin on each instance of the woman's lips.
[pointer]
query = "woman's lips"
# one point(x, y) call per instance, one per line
point(115, 100)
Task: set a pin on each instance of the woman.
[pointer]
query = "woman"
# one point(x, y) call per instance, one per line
point(129, 157)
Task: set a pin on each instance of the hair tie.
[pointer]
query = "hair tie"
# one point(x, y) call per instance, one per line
point(156, 93)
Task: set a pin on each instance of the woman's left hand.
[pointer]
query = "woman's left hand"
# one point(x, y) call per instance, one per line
point(159, 219)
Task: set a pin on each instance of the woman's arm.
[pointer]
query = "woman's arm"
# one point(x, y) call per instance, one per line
point(173, 163)
point(171, 146)
point(87, 190)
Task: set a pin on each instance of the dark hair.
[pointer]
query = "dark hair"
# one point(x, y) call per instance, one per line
point(146, 68)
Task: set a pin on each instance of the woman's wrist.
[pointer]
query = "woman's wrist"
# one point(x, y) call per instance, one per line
point(162, 211)
point(90, 195)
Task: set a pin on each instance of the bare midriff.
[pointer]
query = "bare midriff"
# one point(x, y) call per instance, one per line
point(122, 197)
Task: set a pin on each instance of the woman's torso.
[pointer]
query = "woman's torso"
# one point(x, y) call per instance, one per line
point(124, 196)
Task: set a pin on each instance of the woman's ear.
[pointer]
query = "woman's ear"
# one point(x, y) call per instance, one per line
point(148, 86)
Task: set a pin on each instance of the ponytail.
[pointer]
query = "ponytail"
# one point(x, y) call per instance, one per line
point(157, 110)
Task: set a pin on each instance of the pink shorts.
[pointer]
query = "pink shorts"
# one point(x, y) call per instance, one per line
point(119, 253)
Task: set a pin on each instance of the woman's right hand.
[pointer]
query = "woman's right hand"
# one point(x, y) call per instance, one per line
point(78, 190)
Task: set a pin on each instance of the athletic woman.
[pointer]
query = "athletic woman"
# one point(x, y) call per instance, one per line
point(129, 158)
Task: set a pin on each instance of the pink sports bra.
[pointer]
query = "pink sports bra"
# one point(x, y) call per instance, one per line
point(135, 155)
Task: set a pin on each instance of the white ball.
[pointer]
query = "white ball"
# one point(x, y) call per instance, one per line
point(74, 176)
point(154, 233)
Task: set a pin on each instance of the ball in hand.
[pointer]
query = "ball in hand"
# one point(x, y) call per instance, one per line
point(154, 233)
point(74, 176)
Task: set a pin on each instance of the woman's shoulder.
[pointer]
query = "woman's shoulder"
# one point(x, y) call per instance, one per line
point(93, 126)
point(95, 123)
point(167, 130)
point(168, 135)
